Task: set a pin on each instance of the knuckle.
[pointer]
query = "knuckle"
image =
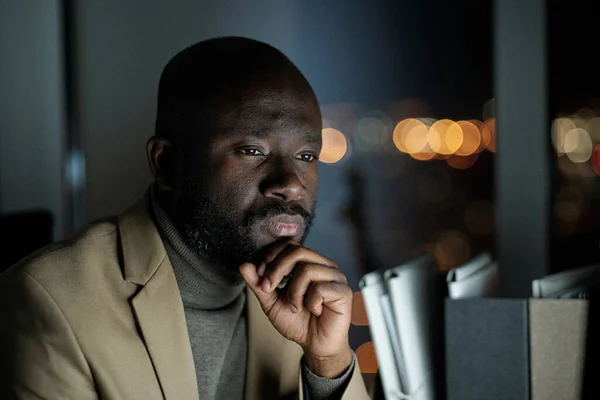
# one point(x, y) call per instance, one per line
point(347, 290)
point(306, 269)
point(341, 277)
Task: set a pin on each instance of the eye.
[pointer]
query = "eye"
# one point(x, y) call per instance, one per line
point(307, 157)
point(252, 152)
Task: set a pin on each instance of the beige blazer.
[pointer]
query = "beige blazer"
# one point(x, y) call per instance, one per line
point(100, 316)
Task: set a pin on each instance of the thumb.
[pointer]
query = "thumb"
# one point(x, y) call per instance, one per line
point(254, 281)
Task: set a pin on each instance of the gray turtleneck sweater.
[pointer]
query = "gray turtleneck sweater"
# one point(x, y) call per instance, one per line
point(214, 302)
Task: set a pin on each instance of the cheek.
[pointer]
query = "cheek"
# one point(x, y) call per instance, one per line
point(311, 181)
point(234, 190)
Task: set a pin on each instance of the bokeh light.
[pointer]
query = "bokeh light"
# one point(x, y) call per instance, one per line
point(359, 312)
point(462, 162)
point(484, 134)
point(341, 116)
point(445, 136)
point(593, 128)
point(370, 134)
point(560, 127)
point(578, 145)
point(410, 136)
point(489, 109)
point(366, 357)
point(335, 146)
point(415, 136)
point(471, 138)
point(490, 124)
point(596, 159)
point(584, 113)
point(452, 249)
point(424, 155)
point(567, 212)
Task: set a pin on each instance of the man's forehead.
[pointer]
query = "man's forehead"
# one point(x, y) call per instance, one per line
point(270, 111)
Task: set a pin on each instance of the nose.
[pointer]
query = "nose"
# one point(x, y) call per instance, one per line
point(283, 183)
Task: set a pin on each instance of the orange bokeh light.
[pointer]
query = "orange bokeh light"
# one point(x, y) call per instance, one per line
point(484, 134)
point(367, 359)
point(359, 312)
point(424, 155)
point(471, 138)
point(445, 136)
point(491, 128)
point(462, 162)
point(334, 147)
point(410, 136)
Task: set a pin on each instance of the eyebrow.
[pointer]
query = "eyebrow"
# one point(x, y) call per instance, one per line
point(310, 137)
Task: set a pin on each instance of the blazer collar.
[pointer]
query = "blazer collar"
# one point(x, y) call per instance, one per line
point(157, 305)
point(142, 247)
point(272, 366)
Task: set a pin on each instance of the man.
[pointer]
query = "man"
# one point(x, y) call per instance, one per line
point(203, 289)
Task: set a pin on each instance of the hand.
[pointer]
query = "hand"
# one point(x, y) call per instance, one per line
point(313, 309)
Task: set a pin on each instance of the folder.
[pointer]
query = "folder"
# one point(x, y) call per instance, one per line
point(373, 288)
point(476, 278)
point(417, 300)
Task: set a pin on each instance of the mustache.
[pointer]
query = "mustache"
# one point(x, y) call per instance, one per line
point(277, 209)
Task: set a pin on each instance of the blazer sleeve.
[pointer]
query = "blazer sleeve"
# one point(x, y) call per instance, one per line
point(355, 390)
point(39, 354)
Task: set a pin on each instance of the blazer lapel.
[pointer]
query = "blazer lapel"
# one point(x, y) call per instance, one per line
point(273, 364)
point(157, 306)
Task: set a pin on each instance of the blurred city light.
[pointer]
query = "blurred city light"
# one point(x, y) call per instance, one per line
point(445, 137)
point(451, 249)
point(489, 109)
point(489, 126)
point(367, 360)
point(334, 147)
point(372, 131)
point(359, 312)
point(578, 145)
point(471, 138)
point(462, 162)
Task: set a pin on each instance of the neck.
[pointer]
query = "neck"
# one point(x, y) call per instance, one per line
point(202, 283)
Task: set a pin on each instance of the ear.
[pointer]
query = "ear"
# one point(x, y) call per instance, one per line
point(160, 157)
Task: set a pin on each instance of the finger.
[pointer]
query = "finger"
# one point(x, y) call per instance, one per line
point(286, 262)
point(304, 275)
point(253, 280)
point(273, 251)
point(334, 296)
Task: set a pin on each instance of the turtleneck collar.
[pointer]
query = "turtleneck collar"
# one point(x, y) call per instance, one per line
point(203, 284)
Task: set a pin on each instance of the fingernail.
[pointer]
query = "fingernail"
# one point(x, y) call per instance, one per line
point(294, 308)
point(266, 285)
point(261, 269)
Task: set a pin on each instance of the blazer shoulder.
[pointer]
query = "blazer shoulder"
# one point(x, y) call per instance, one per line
point(65, 260)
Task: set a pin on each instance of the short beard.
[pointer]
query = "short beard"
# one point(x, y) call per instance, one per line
point(211, 229)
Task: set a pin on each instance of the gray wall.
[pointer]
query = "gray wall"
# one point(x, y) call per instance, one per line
point(31, 98)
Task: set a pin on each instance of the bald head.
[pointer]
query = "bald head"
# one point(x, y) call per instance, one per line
point(238, 135)
point(206, 82)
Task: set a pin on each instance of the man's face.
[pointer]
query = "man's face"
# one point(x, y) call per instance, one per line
point(253, 179)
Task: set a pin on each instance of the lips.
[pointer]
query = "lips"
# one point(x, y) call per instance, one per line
point(285, 225)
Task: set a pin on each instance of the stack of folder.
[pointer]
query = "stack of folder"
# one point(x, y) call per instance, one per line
point(405, 307)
